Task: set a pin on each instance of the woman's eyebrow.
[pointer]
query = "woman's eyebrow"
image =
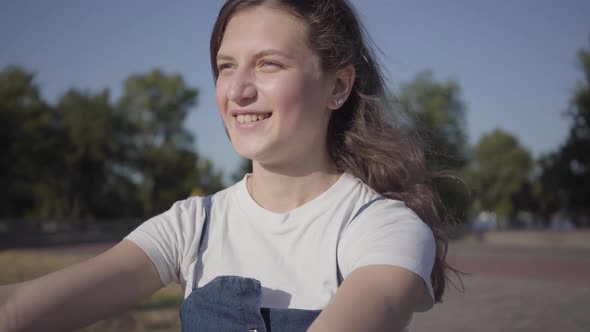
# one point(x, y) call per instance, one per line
point(271, 51)
point(263, 53)
point(224, 57)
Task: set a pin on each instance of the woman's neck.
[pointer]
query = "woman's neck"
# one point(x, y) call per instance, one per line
point(283, 190)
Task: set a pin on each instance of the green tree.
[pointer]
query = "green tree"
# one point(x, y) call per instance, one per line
point(499, 171)
point(566, 173)
point(155, 106)
point(85, 158)
point(435, 111)
point(551, 195)
point(26, 141)
point(90, 151)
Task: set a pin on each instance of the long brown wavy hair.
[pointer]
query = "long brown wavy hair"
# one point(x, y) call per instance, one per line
point(362, 139)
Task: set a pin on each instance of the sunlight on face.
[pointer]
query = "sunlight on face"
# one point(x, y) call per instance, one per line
point(270, 91)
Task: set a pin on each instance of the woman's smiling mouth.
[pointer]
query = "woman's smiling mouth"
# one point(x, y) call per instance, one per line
point(247, 118)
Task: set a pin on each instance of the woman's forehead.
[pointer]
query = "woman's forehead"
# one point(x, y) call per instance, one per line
point(263, 27)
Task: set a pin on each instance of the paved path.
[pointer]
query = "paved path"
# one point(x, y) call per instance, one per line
point(514, 288)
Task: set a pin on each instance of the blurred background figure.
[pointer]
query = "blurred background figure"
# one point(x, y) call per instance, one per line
point(485, 221)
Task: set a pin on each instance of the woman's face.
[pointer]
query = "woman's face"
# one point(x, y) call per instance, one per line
point(272, 95)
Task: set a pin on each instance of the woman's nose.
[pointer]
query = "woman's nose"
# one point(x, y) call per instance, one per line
point(241, 88)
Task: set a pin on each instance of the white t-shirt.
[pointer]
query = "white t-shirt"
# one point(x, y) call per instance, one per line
point(292, 254)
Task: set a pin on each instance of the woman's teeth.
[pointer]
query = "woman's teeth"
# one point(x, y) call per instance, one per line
point(252, 117)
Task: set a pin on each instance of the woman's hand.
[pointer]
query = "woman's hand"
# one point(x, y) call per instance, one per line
point(80, 294)
point(373, 298)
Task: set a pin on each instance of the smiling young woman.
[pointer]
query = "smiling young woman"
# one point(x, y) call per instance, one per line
point(266, 68)
point(334, 230)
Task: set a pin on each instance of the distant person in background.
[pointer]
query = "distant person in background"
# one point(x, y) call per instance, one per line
point(334, 230)
point(484, 222)
point(561, 222)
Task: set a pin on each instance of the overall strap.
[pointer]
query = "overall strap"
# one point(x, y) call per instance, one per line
point(362, 208)
point(204, 236)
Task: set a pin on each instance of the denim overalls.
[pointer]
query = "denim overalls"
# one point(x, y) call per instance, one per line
point(232, 303)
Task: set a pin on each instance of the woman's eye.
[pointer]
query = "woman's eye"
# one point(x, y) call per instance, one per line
point(223, 66)
point(268, 63)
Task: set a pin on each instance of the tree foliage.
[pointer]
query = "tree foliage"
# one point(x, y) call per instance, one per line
point(437, 114)
point(26, 135)
point(499, 171)
point(566, 173)
point(154, 107)
point(87, 157)
point(434, 114)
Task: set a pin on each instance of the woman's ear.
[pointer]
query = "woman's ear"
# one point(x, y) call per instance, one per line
point(343, 82)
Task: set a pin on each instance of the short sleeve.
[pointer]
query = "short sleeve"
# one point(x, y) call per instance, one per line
point(168, 238)
point(389, 233)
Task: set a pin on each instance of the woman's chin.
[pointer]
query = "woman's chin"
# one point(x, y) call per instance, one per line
point(247, 152)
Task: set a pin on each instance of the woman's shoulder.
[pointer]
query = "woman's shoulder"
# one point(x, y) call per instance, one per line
point(373, 210)
point(184, 216)
point(170, 239)
point(393, 208)
point(378, 203)
point(387, 232)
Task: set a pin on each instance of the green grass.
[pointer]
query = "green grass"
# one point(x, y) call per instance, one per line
point(158, 313)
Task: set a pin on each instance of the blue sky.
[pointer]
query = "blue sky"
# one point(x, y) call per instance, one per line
point(515, 60)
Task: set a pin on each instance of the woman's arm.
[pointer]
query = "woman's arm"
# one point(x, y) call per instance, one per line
point(372, 298)
point(80, 294)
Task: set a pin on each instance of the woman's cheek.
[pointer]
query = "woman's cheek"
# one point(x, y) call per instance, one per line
point(288, 92)
point(221, 96)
